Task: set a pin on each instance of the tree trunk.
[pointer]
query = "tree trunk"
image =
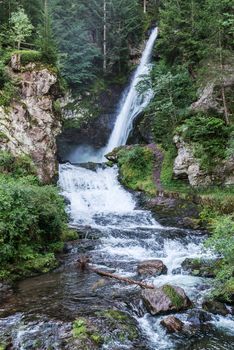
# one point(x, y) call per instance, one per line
point(104, 37)
point(222, 81)
point(145, 6)
point(122, 279)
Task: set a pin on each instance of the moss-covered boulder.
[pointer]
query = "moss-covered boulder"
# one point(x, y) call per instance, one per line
point(201, 267)
point(165, 299)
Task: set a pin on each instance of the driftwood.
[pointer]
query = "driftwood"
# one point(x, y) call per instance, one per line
point(83, 264)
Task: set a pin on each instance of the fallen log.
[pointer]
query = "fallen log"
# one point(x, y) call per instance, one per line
point(83, 264)
point(122, 279)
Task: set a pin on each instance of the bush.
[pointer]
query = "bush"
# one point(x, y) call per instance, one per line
point(30, 216)
point(27, 56)
point(7, 93)
point(209, 136)
point(222, 242)
point(16, 166)
point(136, 168)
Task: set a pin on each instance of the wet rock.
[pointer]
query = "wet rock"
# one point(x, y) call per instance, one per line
point(177, 271)
point(152, 268)
point(165, 299)
point(5, 291)
point(172, 324)
point(198, 317)
point(215, 307)
point(201, 267)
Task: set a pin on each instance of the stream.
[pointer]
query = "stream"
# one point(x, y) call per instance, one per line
point(116, 234)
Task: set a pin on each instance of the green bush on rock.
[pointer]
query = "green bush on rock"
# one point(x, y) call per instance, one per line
point(136, 168)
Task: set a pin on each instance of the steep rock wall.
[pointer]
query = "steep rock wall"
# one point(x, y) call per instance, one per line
point(29, 125)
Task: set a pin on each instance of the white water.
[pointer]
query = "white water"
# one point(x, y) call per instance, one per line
point(129, 235)
point(134, 102)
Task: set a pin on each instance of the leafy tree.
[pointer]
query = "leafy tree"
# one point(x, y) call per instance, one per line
point(21, 26)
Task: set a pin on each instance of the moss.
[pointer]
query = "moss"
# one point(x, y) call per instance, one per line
point(79, 328)
point(116, 315)
point(120, 322)
point(97, 338)
point(175, 297)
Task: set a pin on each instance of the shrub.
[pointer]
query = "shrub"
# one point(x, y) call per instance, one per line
point(29, 216)
point(16, 166)
point(136, 168)
point(222, 242)
point(27, 56)
point(209, 136)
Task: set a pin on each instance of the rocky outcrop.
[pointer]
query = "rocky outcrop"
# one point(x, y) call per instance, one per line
point(172, 324)
point(152, 268)
point(186, 166)
point(209, 96)
point(165, 299)
point(29, 125)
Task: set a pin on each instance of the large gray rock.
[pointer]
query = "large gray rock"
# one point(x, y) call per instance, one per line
point(29, 125)
point(165, 299)
point(151, 268)
point(186, 166)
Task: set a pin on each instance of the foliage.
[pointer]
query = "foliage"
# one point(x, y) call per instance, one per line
point(79, 328)
point(79, 33)
point(136, 168)
point(222, 242)
point(16, 166)
point(174, 92)
point(27, 56)
point(209, 137)
point(46, 40)
point(21, 27)
point(30, 230)
point(7, 93)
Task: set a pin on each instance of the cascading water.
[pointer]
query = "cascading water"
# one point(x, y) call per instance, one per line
point(134, 102)
point(122, 236)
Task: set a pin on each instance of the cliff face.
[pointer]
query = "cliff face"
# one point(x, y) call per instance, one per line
point(29, 125)
point(186, 166)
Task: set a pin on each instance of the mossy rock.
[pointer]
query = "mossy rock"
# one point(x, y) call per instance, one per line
point(202, 267)
point(165, 299)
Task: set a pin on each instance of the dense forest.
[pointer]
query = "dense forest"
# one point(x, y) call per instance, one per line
point(61, 57)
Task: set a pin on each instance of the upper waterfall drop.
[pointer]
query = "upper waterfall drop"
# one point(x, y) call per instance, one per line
point(134, 102)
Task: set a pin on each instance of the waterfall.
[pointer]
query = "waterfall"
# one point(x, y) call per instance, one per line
point(134, 102)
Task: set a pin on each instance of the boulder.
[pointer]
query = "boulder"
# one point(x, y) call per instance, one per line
point(165, 299)
point(172, 324)
point(215, 307)
point(152, 268)
point(201, 267)
point(197, 317)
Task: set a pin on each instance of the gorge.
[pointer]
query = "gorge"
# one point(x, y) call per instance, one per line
point(117, 235)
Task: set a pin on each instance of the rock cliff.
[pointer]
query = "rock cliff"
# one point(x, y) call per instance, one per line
point(186, 166)
point(29, 125)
